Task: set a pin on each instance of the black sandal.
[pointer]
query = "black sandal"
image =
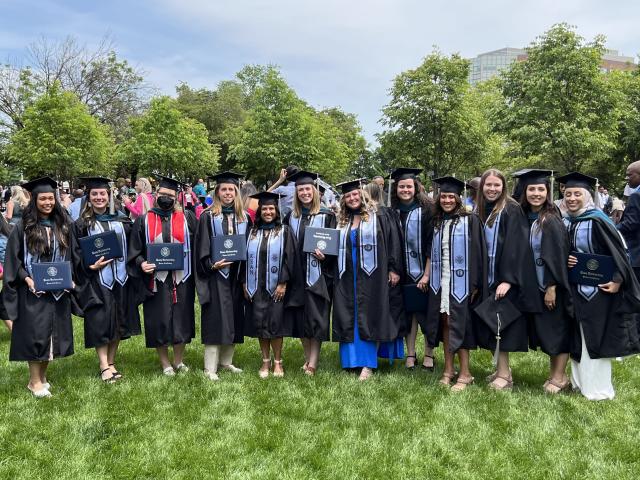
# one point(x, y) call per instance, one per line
point(111, 379)
point(117, 375)
point(414, 362)
point(432, 367)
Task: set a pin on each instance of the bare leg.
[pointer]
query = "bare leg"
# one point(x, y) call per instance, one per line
point(276, 346)
point(178, 353)
point(8, 324)
point(314, 352)
point(111, 355)
point(265, 348)
point(558, 377)
point(35, 376)
point(449, 371)
point(103, 362)
point(503, 377)
point(305, 349)
point(163, 355)
point(428, 361)
point(463, 355)
point(411, 343)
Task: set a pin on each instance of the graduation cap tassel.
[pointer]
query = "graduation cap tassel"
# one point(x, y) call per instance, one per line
point(497, 352)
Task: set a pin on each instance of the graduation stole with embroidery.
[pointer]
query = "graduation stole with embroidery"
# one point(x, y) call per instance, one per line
point(217, 229)
point(491, 239)
point(413, 244)
point(368, 245)
point(116, 271)
point(314, 269)
point(275, 248)
point(179, 234)
point(458, 259)
point(535, 240)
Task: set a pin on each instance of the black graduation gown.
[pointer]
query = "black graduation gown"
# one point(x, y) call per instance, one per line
point(312, 319)
point(426, 235)
point(513, 264)
point(221, 299)
point(550, 330)
point(115, 314)
point(378, 321)
point(461, 324)
point(41, 325)
point(265, 318)
point(609, 321)
point(165, 323)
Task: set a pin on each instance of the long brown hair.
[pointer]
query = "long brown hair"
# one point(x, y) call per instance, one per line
point(500, 203)
point(238, 205)
point(548, 207)
point(418, 195)
point(36, 234)
point(438, 212)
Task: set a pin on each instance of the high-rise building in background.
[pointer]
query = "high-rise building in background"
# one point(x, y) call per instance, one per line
point(490, 64)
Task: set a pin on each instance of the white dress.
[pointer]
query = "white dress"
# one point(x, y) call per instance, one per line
point(446, 268)
point(592, 376)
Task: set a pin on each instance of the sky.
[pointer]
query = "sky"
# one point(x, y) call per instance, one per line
point(342, 53)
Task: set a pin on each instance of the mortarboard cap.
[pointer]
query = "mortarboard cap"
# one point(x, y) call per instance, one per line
point(95, 182)
point(346, 187)
point(534, 177)
point(578, 180)
point(168, 182)
point(450, 185)
point(41, 185)
point(303, 177)
point(227, 177)
point(266, 198)
point(497, 314)
point(404, 173)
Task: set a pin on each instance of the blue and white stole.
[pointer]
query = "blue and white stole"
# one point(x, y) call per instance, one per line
point(535, 240)
point(314, 269)
point(491, 239)
point(275, 248)
point(217, 228)
point(30, 259)
point(368, 245)
point(116, 271)
point(582, 243)
point(458, 259)
point(413, 244)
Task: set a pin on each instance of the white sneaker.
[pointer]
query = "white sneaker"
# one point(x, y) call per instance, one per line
point(42, 393)
point(169, 372)
point(212, 376)
point(231, 368)
point(181, 368)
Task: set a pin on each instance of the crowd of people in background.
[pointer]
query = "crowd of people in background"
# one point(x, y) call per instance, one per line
point(492, 268)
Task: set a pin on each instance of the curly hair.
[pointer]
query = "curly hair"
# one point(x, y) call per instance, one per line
point(366, 206)
point(419, 194)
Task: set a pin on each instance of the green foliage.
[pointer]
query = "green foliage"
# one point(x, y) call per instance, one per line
point(435, 120)
point(558, 105)
point(61, 138)
point(164, 141)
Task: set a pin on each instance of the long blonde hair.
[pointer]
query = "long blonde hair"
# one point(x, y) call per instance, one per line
point(366, 206)
point(18, 196)
point(238, 205)
point(315, 203)
point(500, 203)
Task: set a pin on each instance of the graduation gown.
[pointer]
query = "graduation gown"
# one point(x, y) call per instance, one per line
point(377, 321)
point(426, 234)
point(311, 320)
point(461, 324)
point(115, 314)
point(165, 322)
point(609, 321)
point(550, 330)
point(221, 297)
point(42, 327)
point(265, 318)
point(513, 264)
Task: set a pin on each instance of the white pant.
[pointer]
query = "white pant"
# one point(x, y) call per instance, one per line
point(215, 355)
point(592, 376)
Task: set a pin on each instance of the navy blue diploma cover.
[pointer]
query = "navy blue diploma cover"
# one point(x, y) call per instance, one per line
point(106, 244)
point(231, 248)
point(591, 269)
point(166, 256)
point(415, 300)
point(324, 239)
point(51, 276)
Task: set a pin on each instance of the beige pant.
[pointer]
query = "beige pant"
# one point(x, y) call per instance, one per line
point(215, 355)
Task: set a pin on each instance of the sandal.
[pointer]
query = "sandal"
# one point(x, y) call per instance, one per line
point(279, 373)
point(462, 383)
point(433, 363)
point(42, 393)
point(111, 379)
point(365, 374)
point(492, 377)
point(310, 371)
point(412, 367)
point(305, 366)
point(553, 388)
point(264, 373)
point(507, 386)
point(447, 378)
point(116, 374)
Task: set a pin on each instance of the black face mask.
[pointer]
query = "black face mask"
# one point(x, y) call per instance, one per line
point(165, 202)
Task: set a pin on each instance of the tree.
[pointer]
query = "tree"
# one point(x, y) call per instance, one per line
point(558, 106)
point(432, 120)
point(60, 137)
point(164, 141)
point(109, 87)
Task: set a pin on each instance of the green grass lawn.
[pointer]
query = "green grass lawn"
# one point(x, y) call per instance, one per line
point(400, 424)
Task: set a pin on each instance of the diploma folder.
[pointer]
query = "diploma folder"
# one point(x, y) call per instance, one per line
point(231, 248)
point(591, 269)
point(415, 300)
point(52, 276)
point(324, 239)
point(106, 244)
point(166, 256)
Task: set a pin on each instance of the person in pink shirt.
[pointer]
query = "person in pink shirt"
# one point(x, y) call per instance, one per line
point(143, 202)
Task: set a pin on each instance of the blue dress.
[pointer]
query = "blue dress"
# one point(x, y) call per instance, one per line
point(362, 353)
